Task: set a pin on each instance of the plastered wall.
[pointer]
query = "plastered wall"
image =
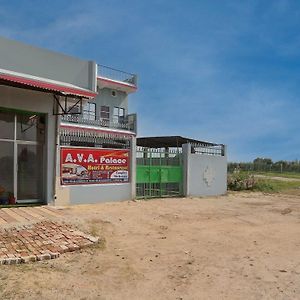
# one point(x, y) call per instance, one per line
point(204, 175)
point(23, 58)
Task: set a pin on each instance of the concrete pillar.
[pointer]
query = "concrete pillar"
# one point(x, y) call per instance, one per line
point(186, 152)
point(133, 167)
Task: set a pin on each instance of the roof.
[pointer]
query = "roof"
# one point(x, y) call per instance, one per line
point(44, 84)
point(168, 141)
point(116, 84)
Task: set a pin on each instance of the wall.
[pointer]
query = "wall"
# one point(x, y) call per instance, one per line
point(97, 193)
point(205, 175)
point(22, 58)
point(100, 193)
point(105, 98)
point(33, 101)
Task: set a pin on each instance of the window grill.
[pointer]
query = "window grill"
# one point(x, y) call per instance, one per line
point(215, 149)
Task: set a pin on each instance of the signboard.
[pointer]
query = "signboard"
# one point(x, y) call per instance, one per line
point(93, 166)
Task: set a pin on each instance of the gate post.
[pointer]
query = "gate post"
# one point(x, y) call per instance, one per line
point(186, 152)
point(133, 168)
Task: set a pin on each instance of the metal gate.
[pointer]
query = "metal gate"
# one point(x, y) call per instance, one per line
point(159, 173)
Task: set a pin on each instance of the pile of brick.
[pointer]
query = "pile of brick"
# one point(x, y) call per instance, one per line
point(40, 241)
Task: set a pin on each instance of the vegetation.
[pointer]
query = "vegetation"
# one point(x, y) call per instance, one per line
point(242, 181)
point(266, 165)
point(283, 175)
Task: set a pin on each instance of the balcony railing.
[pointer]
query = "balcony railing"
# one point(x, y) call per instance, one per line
point(114, 74)
point(128, 124)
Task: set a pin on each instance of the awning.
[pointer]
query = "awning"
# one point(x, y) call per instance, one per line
point(43, 84)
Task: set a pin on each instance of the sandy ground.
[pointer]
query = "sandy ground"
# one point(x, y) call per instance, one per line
point(240, 246)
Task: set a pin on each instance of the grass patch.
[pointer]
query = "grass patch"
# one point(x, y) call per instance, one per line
point(244, 181)
point(275, 186)
point(276, 174)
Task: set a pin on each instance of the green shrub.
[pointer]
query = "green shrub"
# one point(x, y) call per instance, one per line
point(241, 181)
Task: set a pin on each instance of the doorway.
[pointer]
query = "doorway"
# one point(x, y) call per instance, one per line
point(159, 173)
point(22, 138)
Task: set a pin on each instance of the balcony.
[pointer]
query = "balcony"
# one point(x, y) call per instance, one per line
point(129, 124)
point(116, 79)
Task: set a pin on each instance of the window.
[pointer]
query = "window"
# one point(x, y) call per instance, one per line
point(104, 113)
point(119, 115)
point(114, 93)
point(89, 111)
point(30, 127)
point(7, 125)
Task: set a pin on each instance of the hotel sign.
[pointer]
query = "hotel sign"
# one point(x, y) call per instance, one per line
point(93, 166)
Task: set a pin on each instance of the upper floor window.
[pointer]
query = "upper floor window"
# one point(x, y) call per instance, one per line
point(119, 115)
point(104, 113)
point(89, 111)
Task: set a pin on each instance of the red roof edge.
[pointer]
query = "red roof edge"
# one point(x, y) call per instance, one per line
point(69, 90)
point(128, 85)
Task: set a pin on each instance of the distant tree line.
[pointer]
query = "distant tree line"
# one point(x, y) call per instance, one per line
point(265, 165)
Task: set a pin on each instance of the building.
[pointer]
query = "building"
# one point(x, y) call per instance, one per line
point(67, 137)
point(65, 132)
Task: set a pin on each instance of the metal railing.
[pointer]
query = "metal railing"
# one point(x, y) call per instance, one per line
point(128, 124)
point(215, 149)
point(111, 73)
point(75, 137)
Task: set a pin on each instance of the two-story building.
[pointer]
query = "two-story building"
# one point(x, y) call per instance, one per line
point(106, 127)
point(66, 135)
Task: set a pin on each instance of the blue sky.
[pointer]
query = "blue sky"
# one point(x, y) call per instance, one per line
point(221, 71)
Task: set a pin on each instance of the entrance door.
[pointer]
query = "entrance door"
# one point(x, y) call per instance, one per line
point(22, 137)
point(159, 173)
point(29, 173)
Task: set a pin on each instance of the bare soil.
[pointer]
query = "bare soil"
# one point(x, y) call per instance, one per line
point(239, 246)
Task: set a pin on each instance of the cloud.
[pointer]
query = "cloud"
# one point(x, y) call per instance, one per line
point(227, 73)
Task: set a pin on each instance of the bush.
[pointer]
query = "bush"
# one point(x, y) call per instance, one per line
point(241, 181)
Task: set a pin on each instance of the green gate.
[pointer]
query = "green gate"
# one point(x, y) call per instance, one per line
point(159, 173)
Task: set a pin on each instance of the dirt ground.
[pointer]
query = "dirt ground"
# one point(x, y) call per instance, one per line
point(239, 246)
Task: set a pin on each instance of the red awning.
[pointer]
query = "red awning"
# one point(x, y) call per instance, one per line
point(45, 84)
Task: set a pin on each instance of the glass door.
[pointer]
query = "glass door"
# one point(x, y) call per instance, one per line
point(29, 173)
point(6, 171)
point(22, 137)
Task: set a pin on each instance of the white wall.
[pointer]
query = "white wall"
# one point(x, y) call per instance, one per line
point(205, 175)
point(105, 97)
point(19, 57)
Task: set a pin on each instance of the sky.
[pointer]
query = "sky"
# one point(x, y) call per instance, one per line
point(220, 71)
